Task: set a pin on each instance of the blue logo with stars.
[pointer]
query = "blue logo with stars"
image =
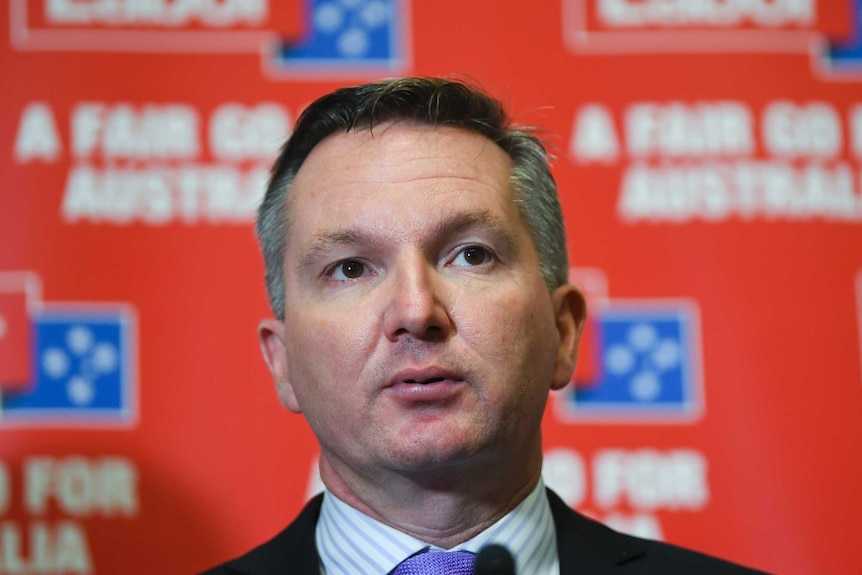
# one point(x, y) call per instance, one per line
point(83, 366)
point(649, 366)
point(845, 57)
point(347, 36)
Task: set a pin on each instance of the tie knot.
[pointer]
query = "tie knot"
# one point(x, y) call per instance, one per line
point(437, 563)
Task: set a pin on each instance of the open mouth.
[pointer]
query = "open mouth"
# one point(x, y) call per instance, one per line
point(425, 381)
point(439, 390)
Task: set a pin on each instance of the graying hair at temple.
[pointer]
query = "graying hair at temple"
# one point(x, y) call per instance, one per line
point(427, 101)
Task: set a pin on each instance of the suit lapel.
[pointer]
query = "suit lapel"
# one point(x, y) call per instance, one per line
point(586, 546)
point(291, 552)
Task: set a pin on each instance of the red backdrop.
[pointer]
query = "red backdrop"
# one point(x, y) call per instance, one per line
point(709, 159)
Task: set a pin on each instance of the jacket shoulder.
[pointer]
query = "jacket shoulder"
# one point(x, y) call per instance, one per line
point(294, 547)
point(585, 544)
point(667, 558)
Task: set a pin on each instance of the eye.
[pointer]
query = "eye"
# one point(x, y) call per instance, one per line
point(348, 270)
point(472, 256)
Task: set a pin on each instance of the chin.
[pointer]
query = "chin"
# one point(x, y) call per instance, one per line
point(425, 454)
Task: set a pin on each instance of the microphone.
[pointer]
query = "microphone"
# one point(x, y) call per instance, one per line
point(494, 560)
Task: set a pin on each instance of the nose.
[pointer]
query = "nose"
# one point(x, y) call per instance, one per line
point(415, 309)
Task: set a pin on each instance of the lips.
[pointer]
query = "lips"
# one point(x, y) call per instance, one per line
point(425, 385)
point(424, 376)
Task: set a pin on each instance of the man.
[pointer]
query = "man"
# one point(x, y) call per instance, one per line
point(416, 265)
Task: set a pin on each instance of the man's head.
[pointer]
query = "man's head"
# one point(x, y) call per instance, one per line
point(427, 101)
point(419, 327)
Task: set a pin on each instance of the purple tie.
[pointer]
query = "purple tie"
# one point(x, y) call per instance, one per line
point(437, 563)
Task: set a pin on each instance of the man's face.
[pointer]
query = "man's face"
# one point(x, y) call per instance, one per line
point(418, 331)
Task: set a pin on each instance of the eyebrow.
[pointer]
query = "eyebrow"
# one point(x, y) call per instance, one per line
point(454, 224)
point(323, 242)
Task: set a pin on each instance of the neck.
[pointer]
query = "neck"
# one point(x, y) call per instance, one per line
point(445, 507)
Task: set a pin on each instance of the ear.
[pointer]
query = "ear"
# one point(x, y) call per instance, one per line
point(271, 335)
point(570, 310)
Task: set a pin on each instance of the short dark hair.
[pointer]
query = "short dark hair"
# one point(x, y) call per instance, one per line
point(426, 101)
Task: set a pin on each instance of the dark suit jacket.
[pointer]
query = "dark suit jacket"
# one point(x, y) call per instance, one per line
point(585, 547)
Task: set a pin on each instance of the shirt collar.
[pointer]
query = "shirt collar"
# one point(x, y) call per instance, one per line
point(350, 542)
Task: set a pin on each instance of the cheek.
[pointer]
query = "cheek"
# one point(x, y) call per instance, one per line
point(330, 359)
point(325, 357)
point(490, 332)
point(520, 323)
point(514, 337)
point(337, 338)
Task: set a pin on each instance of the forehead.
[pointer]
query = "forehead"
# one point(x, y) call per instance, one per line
point(417, 165)
point(405, 150)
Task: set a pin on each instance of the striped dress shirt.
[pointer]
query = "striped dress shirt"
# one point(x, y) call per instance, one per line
point(351, 543)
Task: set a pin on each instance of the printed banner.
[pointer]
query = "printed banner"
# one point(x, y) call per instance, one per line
point(709, 161)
